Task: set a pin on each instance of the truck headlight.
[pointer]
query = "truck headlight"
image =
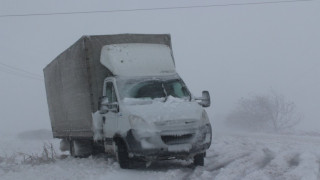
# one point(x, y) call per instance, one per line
point(137, 122)
point(204, 118)
point(141, 128)
point(205, 133)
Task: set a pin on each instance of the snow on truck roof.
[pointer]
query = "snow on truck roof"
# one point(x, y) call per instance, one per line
point(138, 59)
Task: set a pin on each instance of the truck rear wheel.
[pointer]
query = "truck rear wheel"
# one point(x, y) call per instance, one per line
point(72, 148)
point(122, 155)
point(81, 148)
point(198, 160)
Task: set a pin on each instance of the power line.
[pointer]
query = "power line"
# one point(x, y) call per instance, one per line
point(19, 72)
point(152, 9)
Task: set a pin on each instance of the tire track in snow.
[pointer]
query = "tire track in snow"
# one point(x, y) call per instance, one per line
point(224, 162)
point(307, 169)
point(294, 161)
point(318, 168)
point(268, 157)
point(232, 156)
point(279, 159)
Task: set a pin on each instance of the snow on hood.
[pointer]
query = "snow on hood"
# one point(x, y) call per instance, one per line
point(160, 110)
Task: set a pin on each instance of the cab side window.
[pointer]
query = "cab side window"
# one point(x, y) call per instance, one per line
point(110, 92)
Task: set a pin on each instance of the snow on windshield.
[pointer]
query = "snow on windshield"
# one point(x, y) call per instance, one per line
point(152, 88)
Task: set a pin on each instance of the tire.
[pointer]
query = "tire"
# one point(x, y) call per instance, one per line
point(198, 160)
point(81, 148)
point(122, 155)
point(72, 153)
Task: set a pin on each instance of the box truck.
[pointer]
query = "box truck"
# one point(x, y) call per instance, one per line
point(121, 95)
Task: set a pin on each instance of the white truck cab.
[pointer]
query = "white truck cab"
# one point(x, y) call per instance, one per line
point(148, 108)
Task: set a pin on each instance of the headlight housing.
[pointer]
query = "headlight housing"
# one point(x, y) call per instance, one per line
point(204, 118)
point(137, 122)
point(141, 128)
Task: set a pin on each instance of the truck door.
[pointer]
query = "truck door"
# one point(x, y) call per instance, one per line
point(110, 121)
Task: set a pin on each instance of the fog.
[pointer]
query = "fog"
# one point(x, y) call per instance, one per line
point(232, 51)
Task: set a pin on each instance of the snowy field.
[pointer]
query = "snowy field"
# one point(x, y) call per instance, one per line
point(231, 156)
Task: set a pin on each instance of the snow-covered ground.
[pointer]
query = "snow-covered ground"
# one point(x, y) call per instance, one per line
point(231, 156)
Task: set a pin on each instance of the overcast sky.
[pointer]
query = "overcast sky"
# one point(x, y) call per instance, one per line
point(232, 51)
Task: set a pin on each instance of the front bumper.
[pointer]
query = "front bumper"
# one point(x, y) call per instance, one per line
point(168, 145)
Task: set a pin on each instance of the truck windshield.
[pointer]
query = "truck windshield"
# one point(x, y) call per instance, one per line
point(153, 88)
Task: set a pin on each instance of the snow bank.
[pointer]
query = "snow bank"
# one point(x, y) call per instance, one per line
point(232, 156)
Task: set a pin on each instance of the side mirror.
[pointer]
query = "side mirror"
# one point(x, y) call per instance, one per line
point(102, 105)
point(205, 99)
point(105, 106)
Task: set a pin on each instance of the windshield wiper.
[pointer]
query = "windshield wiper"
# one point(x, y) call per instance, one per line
point(165, 92)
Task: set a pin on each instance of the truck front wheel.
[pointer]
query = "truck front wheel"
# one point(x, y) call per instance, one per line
point(198, 160)
point(122, 155)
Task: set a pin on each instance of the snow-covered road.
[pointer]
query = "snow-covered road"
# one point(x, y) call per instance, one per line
point(231, 156)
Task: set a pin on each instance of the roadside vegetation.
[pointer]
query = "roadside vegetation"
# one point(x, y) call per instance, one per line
point(264, 113)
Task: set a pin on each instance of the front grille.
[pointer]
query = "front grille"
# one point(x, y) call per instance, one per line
point(179, 122)
point(176, 139)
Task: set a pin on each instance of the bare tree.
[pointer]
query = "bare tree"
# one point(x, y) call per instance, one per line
point(264, 113)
